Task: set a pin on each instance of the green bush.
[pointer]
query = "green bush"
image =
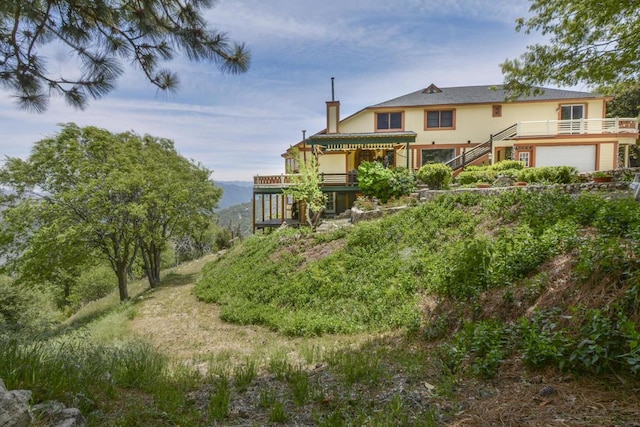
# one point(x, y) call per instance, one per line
point(485, 345)
point(402, 182)
point(593, 340)
point(94, 283)
point(437, 176)
point(506, 165)
point(472, 176)
point(549, 175)
point(26, 309)
point(383, 183)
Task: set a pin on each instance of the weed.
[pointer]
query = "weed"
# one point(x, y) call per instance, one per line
point(299, 382)
point(278, 414)
point(267, 398)
point(219, 400)
point(279, 365)
point(311, 352)
point(244, 374)
point(364, 367)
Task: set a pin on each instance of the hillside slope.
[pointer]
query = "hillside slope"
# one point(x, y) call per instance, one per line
point(527, 301)
point(517, 310)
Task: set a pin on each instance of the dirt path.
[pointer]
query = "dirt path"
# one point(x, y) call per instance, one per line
point(173, 320)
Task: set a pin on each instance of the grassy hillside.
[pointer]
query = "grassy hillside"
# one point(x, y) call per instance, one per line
point(515, 309)
point(534, 274)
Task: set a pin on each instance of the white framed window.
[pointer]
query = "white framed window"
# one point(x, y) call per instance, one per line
point(575, 113)
point(524, 157)
point(572, 112)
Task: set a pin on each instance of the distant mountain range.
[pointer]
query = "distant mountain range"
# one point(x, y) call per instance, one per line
point(235, 193)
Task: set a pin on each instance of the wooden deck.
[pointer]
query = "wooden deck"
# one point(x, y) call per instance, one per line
point(275, 223)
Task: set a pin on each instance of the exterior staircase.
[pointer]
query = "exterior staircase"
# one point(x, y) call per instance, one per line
point(468, 157)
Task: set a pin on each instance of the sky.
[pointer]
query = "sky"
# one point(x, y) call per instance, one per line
point(239, 125)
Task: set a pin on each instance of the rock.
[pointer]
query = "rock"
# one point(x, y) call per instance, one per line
point(14, 407)
point(57, 415)
point(546, 391)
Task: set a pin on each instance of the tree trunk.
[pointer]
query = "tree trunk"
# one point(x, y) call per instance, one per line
point(121, 272)
point(154, 267)
point(151, 259)
point(313, 218)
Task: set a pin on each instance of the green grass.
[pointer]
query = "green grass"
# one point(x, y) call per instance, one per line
point(457, 246)
point(457, 249)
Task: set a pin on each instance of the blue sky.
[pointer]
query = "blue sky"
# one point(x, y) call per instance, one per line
point(238, 126)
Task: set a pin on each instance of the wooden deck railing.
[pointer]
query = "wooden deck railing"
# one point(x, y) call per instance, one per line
point(285, 180)
point(573, 127)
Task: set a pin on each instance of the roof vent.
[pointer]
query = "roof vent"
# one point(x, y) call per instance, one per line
point(432, 89)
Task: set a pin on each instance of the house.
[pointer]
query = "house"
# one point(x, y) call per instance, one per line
point(458, 126)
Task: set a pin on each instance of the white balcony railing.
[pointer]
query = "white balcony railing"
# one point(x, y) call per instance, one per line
point(574, 127)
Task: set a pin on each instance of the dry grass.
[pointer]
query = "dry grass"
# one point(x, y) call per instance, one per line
point(179, 325)
point(175, 322)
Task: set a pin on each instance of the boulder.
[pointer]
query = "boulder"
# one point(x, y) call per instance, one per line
point(14, 407)
point(55, 414)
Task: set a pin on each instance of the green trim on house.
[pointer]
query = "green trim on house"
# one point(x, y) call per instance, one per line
point(361, 139)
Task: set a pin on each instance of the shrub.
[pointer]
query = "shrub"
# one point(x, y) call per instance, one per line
point(375, 180)
point(402, 182)
point(510, 173)
point(94, 283)
point(472, 176)
point(27, 309)
point(506, 165)
point(437, 176)
point(549, 175)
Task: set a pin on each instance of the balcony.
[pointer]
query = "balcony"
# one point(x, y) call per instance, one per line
point(577, 127)
point(285, 180)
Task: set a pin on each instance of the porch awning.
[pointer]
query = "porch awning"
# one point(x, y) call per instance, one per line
point(369, 140)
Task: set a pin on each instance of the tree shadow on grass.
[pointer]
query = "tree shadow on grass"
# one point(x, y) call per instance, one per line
point(174, 279)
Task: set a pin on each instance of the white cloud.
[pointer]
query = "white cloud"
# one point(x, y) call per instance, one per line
point(240, 125)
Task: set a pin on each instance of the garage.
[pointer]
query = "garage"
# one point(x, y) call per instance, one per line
point(582, 157)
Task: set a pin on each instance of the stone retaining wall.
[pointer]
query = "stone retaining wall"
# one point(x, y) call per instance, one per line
point(425, 195)
point(619, 184)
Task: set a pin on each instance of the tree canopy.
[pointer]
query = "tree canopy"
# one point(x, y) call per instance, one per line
point(591, 42)
point(306, 189)
point(626, 103)
point(101, 35)
point(87, 191)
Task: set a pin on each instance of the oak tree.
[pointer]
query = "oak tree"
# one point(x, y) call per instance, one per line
point(87, 191)
point(588, 42)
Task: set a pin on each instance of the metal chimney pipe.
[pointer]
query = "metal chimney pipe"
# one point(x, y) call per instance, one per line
point(333, 98)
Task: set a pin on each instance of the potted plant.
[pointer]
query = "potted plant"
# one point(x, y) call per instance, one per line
point(601, 176)
point(520, 183)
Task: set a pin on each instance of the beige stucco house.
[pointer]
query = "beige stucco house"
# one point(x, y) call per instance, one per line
point(458, 126)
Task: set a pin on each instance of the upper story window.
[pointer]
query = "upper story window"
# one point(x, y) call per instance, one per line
point(291, 165)
point(389, 121)
point(572, 112)
point(440, 119)
point(496, 110)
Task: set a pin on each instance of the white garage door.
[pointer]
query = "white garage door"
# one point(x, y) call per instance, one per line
point(583, 157)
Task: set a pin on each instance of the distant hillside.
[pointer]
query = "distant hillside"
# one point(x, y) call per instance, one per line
point(235, 193)
point(237, 216)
